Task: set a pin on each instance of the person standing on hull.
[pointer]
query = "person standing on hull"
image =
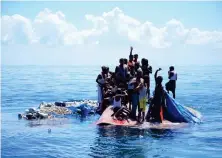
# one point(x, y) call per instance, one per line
point(142, 101)
point(121, 72)
point(155, 113)
point(138, 84)
point(147, 70)
point(171, 84)
point(100, 85)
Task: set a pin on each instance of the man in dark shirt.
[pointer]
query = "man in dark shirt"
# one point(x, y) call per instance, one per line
point(147, 70)
point(158, 101)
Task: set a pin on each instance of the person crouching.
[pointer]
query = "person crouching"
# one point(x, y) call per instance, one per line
point(120, 112)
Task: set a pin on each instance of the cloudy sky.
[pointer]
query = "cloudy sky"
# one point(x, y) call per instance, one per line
point(93, 33)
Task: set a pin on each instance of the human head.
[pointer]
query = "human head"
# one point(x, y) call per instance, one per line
point(171, 68)
point(121, 61)
point(125, 61)
point(107, 69)
point(144, 62)
point(103, 69)
point(135, 56)
point(159, 80)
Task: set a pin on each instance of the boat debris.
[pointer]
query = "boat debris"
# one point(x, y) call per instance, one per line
point(49, 110)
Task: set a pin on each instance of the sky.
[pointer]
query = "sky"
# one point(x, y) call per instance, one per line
point(94, 33)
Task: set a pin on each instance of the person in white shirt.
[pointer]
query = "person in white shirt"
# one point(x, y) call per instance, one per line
point(100, 80)
point(171, 85)
point(119, 111)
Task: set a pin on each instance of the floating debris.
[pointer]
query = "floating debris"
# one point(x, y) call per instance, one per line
point(49, 110)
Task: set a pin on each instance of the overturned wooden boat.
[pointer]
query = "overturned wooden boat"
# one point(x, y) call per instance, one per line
point(175, 115)
point(107, 119)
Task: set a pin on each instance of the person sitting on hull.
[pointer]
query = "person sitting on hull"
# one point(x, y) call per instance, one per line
point(155, 112)
point(120, 111)
point(171, 84)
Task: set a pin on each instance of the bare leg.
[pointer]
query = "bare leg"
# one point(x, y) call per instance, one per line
point(143, 116)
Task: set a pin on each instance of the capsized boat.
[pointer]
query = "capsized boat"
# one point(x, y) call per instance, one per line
point(174, 114)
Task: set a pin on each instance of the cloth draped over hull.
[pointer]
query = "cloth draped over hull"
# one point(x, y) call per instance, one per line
point(175, 112)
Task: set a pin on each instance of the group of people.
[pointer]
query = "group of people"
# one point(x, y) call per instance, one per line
point(128, 90)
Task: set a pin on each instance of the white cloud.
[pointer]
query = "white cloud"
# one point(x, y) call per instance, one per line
point(15, 28)
point(53, 28)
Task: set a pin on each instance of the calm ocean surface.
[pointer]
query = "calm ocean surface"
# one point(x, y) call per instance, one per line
point(27, 86)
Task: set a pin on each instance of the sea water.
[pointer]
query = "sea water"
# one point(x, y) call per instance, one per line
point(27, 86)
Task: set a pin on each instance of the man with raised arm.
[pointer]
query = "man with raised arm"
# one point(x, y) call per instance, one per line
point(158, 101)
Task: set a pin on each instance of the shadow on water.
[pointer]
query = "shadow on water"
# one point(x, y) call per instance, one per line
point(127, 142)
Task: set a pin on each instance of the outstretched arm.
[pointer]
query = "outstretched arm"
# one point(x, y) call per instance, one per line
point(131, 50)
point(155, 75)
